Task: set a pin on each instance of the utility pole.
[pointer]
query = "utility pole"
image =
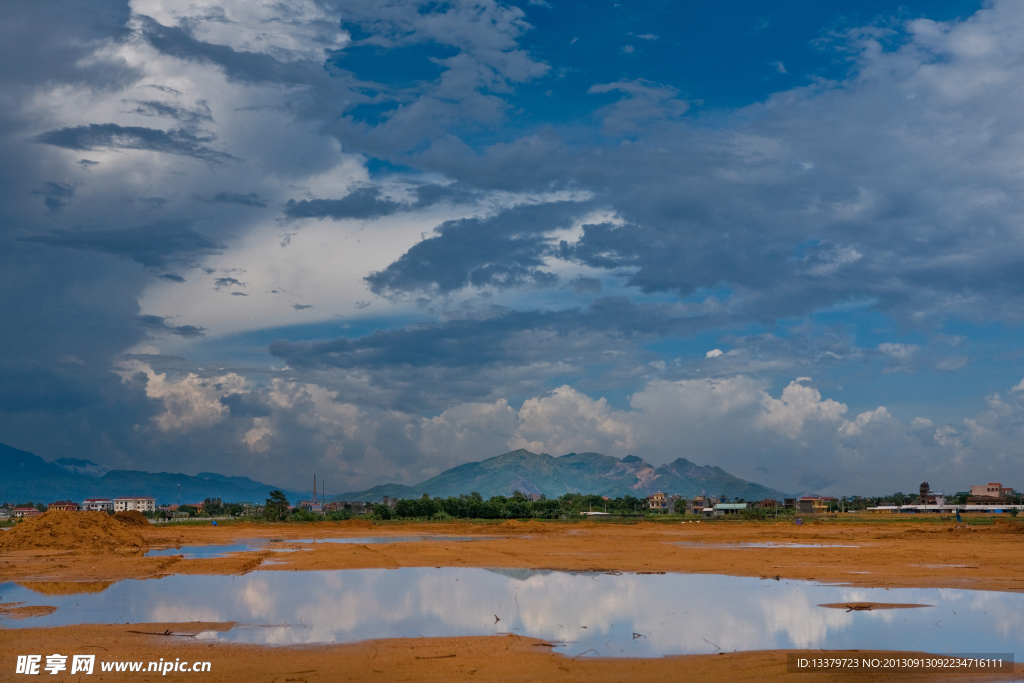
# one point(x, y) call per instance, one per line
point(314, 488)
point(179, 495)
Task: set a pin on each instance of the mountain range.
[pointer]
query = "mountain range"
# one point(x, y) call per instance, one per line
point(552, 476)
point(26, 477)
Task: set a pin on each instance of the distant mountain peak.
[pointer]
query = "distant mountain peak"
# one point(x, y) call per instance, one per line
point(540, 473)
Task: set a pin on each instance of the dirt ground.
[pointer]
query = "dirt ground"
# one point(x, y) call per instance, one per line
point(857, 550)
point(497, 659)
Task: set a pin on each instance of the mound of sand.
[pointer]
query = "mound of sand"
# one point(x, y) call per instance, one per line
point(61, 530)
point(132, 518)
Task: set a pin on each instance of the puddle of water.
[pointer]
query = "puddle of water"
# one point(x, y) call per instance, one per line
point(764, 545)
point(622, 615)
point(192, 552)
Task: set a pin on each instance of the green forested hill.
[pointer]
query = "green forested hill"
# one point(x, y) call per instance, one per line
point(604, 475)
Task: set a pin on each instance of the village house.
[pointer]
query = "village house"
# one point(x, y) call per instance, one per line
point(664, 503)
point(929, 497)
point(97, 504)
point(63, 505)
point(140, 503)
point(729, 508)
point(700, 504)
point(991, 490)
point(22, 513)
point(812, 505)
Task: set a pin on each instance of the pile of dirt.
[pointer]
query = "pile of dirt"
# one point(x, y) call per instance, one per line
point(62, 530)
point(132, 518)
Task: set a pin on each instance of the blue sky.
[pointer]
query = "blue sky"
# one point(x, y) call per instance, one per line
point(379, 239)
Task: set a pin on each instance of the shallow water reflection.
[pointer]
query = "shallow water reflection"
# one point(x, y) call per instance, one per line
point(191, 552)
point(616, 615)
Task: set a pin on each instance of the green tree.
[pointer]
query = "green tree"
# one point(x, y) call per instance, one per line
point(212, 507)
point(277, 506)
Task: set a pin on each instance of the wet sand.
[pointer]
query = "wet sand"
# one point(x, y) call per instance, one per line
point(858, 550)
point(887, 553)
point(490, 658)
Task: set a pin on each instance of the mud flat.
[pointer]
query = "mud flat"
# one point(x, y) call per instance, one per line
point(854, 552)
point(857, 550)
point(497, 658)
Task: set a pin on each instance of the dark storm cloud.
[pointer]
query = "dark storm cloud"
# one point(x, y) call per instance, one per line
point(251, 199)
point(156, 323)
point(587, 285)
point(172, 277)
point(37, 387)
point(114, 136)
point(478, 342)
point(152, 245)
point(245, 405)
point(188, 117)
point(369, 202)
point(429, 194)
point(366, 202)
point(247, 67)
point(509, 354)
point(507, 250)
point(56, 195)
point(49, 42)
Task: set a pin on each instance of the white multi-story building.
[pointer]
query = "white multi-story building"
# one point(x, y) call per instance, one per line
point(97, 504)
point(140, 503)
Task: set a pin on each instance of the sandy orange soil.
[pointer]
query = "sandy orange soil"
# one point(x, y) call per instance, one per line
point(886, 552)
point(924, 552)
